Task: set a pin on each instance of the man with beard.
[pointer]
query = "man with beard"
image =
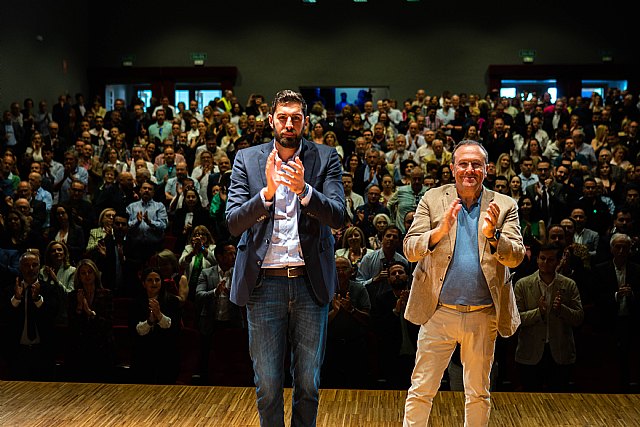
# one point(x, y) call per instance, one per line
point(285, 216)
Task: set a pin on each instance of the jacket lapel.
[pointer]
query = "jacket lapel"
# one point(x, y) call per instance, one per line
point(487, 197)
point(262, 162)
point(450, 196)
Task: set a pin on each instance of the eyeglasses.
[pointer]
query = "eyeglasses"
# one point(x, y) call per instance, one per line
point(474, 165)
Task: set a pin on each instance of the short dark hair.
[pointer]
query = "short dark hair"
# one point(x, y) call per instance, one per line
point(286, 96)
point(551, 247)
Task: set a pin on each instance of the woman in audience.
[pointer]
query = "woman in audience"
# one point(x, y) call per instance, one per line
point(57, 266)
point(619, 156)
point(167, 262)
point(515, 188)
point(331, 139)
point(34, 150)
point(354, 247)
point(388, 189)
point(317, 133)
point(610, 187)
point(533, 232)
point(110, 159)
point(105, 221)
point(444, 175)
point(601, 138)
point(504, 167)
point(197, 256)
point(91, 347)
point(57, 272)
point(227, 144)
point(63, 229)
point(534, 151)
point(187, 217)
point(155, 324)
point(380, 222)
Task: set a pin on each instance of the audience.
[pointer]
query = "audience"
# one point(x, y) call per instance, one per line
point(163, 206)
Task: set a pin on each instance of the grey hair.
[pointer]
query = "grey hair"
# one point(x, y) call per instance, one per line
point(620, 236)
point(469, 142)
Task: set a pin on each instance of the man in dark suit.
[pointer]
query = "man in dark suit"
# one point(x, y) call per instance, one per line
point(619, 288)
point(285, 215)
point(33, 307)
point(548, 195)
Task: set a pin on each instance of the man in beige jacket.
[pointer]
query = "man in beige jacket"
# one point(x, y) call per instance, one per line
point(464, 238)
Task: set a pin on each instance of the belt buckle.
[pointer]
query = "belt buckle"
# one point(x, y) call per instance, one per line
point(289, 274)
point(463, 308)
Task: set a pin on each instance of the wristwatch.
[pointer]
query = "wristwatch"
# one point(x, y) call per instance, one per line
point(495, 237)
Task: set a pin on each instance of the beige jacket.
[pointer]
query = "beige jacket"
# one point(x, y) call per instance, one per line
point(432, 264)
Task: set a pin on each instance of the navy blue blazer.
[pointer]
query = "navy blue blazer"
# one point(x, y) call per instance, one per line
point(247, 215)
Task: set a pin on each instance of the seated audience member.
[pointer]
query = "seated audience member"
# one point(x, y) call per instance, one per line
point(32, 311)
point(155, 325)
point(64, 229)
point(197, 256)
point(397, 337)
point(147, 223)
point(91, 349)
point(550, 307)
point(618, 291)
point(346, 356)
point(215, 312)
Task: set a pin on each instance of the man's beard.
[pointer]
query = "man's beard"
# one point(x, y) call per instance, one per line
point(289, 142)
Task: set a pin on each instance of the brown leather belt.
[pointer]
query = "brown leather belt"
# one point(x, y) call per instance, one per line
point(289, 272)
point(465, 308)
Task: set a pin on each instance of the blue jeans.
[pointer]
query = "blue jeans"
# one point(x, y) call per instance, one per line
point(281, 308)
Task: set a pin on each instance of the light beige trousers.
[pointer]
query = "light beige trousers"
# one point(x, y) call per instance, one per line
point(476, 332)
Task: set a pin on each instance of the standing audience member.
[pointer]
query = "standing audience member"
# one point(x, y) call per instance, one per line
point(215, 312)
point(550, 307)
point(33, 307)
point(155, 324)
point(91, 350)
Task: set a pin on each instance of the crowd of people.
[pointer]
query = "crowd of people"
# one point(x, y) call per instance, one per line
point(117, 211)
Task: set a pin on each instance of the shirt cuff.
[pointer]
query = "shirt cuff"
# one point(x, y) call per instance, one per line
point(265, 203)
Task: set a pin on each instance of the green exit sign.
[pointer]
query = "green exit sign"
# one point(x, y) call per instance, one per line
point(198, 56)
point(527, 53)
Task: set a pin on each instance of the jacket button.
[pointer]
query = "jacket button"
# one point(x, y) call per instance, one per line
point(259, 262)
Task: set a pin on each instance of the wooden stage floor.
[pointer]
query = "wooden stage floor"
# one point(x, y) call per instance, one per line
point(95, 405)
